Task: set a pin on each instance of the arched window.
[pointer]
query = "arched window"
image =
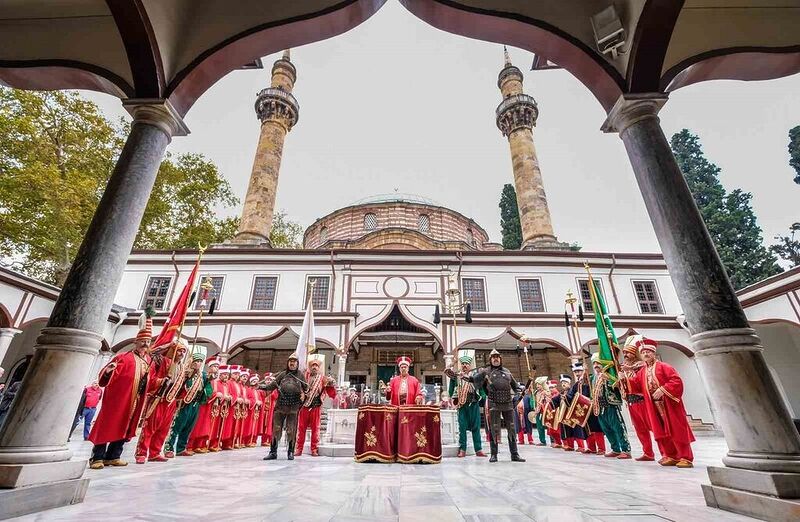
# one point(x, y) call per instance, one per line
point(471, 238)
point(424, 223)
point(370, 221)
point(323, 235)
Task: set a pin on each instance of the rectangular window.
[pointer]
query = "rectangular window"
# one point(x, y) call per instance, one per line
point(530, 295)
point(586, 298)
point(155, 293)
point(647, 295)
point(319, 299)
point(475, 293)
point(264, 293)
point(216, 282)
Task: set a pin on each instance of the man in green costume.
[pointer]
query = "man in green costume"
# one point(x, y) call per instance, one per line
point(196, 390)
point(540, 397)
point(467, 400)
point(607, 406)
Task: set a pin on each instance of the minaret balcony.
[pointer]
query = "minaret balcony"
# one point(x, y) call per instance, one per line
point(515, 112)
point(276, 104)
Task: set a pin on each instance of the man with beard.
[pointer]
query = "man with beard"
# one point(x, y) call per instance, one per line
point(632, 364)
point(404, 388)
point(169, 372)
point(196, 389)
point(232, 420)
point(662, 388)
point(208, 411)
point(607, 405)
point(467, 399)
point(500, 388)
point(310, 413)
point(581, 434)
point(291, 388)
point(124, 380)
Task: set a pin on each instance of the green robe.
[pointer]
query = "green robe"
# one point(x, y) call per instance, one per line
point(610, 417)
point(469, 416)
point(186, 417)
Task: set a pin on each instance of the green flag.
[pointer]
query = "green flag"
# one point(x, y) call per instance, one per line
point(605, 331)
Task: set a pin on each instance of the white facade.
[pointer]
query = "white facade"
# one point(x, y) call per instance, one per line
point(366, 286)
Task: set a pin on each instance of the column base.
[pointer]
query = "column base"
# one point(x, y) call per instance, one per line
point(763, 495)
point(41, 497)
point(246, 241)
point(548, 243)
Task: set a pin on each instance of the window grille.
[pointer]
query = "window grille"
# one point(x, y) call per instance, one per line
point(647, 295)
point(319, 299)
point(264, 293)
point(586, 298)
point(216, 282)
point(155, 294)
point(475, 293)
point(530, 295)
point(424, 223)
point(370, 221)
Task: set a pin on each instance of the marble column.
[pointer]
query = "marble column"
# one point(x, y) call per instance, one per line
point(341, 369)
point(33, 439)
point(758, 428)
point(6, 336)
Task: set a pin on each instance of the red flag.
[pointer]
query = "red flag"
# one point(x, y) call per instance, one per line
point(178, 313)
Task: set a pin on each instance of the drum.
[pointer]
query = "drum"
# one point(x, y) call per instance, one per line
point(579, 411)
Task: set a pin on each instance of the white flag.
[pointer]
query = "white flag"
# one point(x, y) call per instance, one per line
point(306, 344)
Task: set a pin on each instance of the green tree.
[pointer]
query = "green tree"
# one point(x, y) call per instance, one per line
point(57, 152)
point(285, 233)
point(794, 152)
point(509, 218)
point(729, 217)
point(788, 247)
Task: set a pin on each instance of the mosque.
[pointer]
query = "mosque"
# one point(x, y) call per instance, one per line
point(391, 275)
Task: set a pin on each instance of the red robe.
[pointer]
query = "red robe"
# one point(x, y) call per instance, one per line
point(122, 406)
point(411, 394)
point(269, 410)
point(229, 429)
point(247, 423)
point(217, 426)
point(202, 428)
point(673, 425)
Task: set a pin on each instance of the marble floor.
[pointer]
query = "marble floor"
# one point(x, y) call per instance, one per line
point(552, 485)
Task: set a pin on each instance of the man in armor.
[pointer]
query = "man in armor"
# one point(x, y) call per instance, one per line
point(467, 399)
point(292, 387)
point(500, 388)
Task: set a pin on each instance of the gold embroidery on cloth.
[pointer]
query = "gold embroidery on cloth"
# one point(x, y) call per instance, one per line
point(370, 439)
point(404, 420)
point(436, 419)
point(422, 440)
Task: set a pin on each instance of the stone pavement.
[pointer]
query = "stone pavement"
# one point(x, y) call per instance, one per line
point(552, 486)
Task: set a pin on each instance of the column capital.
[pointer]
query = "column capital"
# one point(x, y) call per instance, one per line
point(631, 108)
point(9, 332)
point(157, 112)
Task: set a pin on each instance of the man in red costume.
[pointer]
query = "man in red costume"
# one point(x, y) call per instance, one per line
point(198, 440)
point(270, 399)
point(310, 413)
point(403, 388)
point(245, 410)
point(224, 411)
point(232, 421)
point(166, 382)
point(631, 365)
point(662, 388)
point(124, 380)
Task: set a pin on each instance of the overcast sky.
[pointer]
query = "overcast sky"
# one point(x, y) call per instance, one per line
point(398, 104)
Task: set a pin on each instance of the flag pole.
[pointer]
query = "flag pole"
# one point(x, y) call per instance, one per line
point(614, 347)
point(200, 250)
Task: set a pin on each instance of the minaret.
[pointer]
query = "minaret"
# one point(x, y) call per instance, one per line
point(516, 117)
point(278, 111)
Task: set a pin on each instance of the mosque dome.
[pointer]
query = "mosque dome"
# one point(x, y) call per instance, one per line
point(397, 221)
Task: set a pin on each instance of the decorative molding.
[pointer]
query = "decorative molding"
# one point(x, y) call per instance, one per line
point(633, 108)
point(158, 113)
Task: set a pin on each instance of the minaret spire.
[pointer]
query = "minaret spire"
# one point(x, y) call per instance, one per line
point(516, 118)
point(287, 55)
point(278, 111)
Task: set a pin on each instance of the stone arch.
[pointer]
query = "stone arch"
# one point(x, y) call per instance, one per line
point(21, 348)
point(124, 345)
point(408, 316)
point(519, 337)
point(781, 341)
point(237, 348)
point(6, 319)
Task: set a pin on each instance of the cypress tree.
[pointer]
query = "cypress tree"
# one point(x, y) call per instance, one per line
point(729, 217)
point(509, 218)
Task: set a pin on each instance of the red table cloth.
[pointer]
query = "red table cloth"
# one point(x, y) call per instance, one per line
point(419, 435)
point(376, 433)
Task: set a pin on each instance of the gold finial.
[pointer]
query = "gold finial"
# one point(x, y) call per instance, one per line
point(571, 299)
point(505, 55)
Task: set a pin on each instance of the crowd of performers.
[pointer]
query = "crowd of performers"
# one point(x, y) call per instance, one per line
point(188, 405)
point(652, 390)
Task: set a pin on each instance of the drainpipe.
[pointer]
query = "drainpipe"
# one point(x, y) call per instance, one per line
point(175, 284)
point(611, 282)
point(333, 282)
